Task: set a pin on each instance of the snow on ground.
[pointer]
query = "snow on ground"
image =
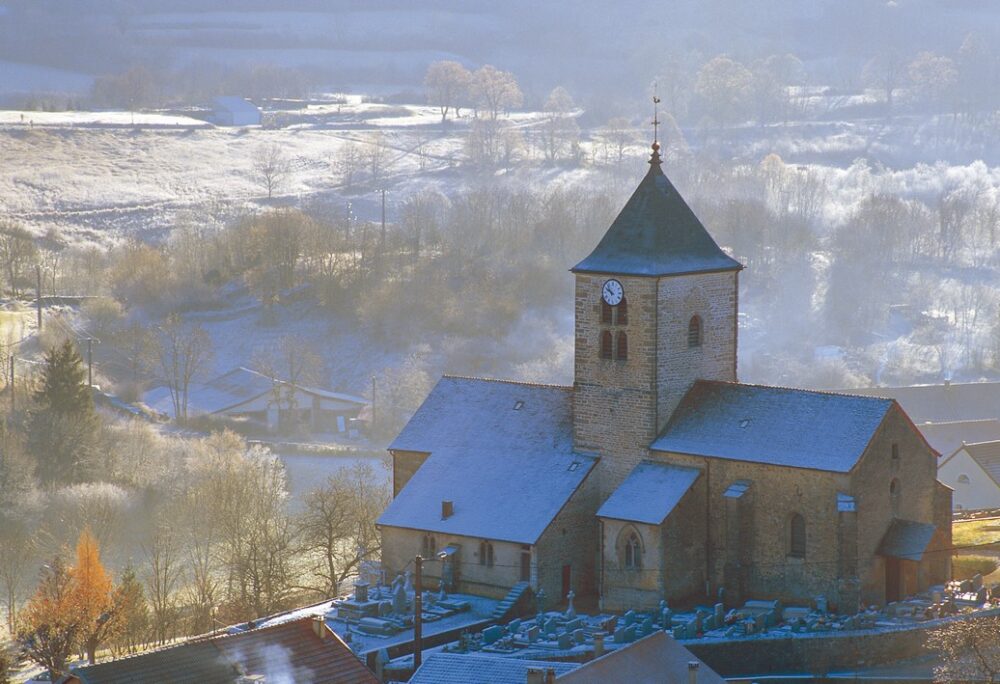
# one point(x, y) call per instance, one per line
point(107, 118)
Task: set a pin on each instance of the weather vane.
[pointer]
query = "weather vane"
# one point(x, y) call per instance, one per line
point(656, 119)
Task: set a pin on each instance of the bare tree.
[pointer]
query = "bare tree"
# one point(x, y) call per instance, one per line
point(183, 351)
point(349, 163)
point(270, 167)
point(616, 136)
point(885, 71)
point(338, 525)
point(559, 131)
point(724, 86)
point(18, 254)
point(495, 91)
point(164, 574)
point(447, 85)
point(18, 550)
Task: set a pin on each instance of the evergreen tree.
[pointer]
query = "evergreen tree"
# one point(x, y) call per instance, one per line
point(62, 433)
point(131, 613)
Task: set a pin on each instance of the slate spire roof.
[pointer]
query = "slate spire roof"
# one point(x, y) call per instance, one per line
point(656, 234)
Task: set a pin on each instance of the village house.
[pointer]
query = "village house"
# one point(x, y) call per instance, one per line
point(235, 111)
point(973, 472)
point(657, 475)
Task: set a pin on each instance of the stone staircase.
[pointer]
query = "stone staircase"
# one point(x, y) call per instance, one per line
point(510, 601)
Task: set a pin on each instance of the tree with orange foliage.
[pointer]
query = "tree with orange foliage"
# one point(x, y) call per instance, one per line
point(94, 597)
point(50, 625)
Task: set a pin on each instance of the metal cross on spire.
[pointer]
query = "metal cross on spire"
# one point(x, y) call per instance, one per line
point(656, 119)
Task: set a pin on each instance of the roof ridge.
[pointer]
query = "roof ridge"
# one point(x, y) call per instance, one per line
point(979, 444)
point(835, 393)
point(523, 383)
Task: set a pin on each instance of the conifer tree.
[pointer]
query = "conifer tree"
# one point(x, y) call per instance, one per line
point(62, 433)
point(131, 612)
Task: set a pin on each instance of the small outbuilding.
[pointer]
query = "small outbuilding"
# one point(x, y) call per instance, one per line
point(973, 471)
point(235, 111)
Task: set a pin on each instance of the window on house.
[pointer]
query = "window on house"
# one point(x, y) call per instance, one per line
point(895, 455)
point(621, 353)
point(894, 491)
point(694, 331)
point(621, 312)
point(797, 536)
point(633, 552)
point(606, 344)
point(963, 479)
point(606, 314)
point(430, 546)
point(525, 563)
point(486, 554)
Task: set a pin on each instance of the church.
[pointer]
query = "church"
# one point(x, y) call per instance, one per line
point(657, 474)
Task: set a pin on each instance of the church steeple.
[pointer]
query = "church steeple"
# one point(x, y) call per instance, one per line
point(656, 234)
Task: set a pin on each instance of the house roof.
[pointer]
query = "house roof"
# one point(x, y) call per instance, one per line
point(290, 651)
point(467, 668)
point(656, 234)
point(947, 437)
point(236, 387)
point(987, 456)
point(653, 659)
point(235, 104)
point(906, 539)
point(649, 493)
point(943, 403)
point(489, 441)
point(775, 425)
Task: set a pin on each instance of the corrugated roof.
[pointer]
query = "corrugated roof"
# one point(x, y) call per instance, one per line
point(653, 659)
point(906, 539)
point(290, 651)
point(490, 441)
point(656, 234)
point(785, 427)
point(467, 668)
point(943, 403)
point(987, 455)
point(946, 438)
point(649, 493)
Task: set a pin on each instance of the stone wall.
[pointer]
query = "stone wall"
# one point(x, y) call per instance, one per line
point(714, 297)
point(404, 465)
point(571, 539)
point(614, 402)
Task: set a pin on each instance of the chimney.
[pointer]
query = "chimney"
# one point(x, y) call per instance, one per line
point(693, 671)
point(598, 644)
point(319, 627)
point(550, 676)
point(535, 676)
point(447, 509)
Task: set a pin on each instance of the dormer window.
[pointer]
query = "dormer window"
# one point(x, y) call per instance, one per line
point(518, 405)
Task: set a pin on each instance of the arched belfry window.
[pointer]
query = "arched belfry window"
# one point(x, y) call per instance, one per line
point(621, 351)
point(607, 342)
point(621, 312)
point(694, 331)
point(797, 536)
point(606, 315)
point(632, 552)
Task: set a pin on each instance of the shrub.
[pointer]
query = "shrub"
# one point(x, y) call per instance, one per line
point(964, 567)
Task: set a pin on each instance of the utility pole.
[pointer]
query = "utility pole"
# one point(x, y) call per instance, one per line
point(373, 402)
point(418, 618)
point(38, 294)
point(12, 384)
point(90, 362)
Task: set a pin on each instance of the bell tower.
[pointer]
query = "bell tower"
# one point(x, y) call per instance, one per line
point(656, 309)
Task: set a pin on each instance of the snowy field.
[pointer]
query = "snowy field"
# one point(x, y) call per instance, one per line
point(306, 472)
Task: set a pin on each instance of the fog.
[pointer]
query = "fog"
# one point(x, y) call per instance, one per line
point(845, 151)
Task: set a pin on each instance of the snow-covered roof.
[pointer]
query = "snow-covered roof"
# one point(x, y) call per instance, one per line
point(235, 104)
point(236, 387)
point(654, 658)
point(906, 539)
point(481, 668)
point(656, 234)
point(775, 425)
point(464, 412)
point(490, 441)
point(649, 493)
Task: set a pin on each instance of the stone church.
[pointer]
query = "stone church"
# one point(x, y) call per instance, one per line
point(657, 474)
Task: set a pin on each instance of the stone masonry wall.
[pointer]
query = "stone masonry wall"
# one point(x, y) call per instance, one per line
point(571, 539)
point(916, 473)
point(714, 298)
point(614, 402)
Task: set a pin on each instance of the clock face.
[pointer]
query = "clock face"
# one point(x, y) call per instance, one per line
point(613, 292)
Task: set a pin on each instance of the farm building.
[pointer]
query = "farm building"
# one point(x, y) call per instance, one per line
point(274, 403)
point(235, 111)
point(973, 471)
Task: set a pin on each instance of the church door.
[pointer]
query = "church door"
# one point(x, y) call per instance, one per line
point(892, 577)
